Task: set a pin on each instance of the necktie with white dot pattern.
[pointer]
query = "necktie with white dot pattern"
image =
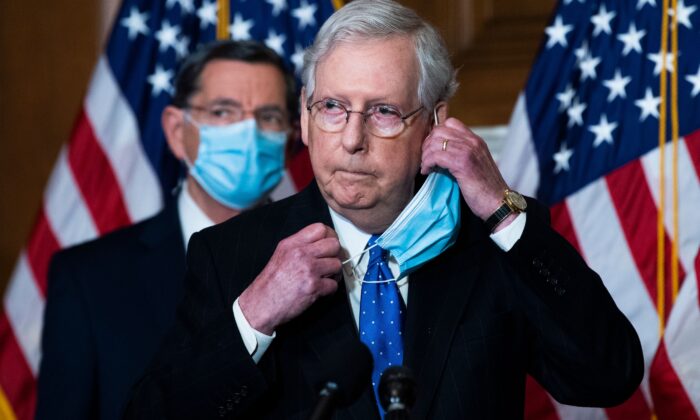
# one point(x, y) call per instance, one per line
point(381, 315)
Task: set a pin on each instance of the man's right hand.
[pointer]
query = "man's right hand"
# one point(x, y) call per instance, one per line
point(299, 272)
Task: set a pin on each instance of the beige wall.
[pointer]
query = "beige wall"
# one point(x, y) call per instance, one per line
point(48, 50)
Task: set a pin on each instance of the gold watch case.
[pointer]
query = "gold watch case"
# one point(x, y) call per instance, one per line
point(515, 201)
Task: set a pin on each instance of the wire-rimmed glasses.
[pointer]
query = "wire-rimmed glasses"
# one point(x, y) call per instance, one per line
point(381, 120)
point(268, 118)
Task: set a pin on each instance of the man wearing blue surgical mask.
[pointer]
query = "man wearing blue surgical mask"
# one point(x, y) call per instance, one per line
point(458, 278)
point(111, 300)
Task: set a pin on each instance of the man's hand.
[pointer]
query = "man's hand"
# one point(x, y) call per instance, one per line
point(468, 159)
point(299, 272)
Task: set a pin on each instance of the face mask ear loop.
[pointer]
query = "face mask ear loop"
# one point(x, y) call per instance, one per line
point(358, 275)
point(357, 256)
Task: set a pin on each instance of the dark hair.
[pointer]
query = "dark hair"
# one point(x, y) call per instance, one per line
point(187, 79)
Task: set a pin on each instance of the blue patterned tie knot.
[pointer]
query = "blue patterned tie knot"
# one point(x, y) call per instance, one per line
point(382, 311)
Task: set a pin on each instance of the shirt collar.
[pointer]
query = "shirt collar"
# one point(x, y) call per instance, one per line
point(192, 218)
point(352, 240)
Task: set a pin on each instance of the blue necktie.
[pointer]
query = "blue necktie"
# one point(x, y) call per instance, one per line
point(381, 315)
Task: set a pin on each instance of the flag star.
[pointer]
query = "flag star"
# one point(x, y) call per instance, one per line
point(298, 58)
point(582, 51)
point(135, 23)
point(187, 6)
point(659, 62)
point(182, 47)
point(275, 41)
point(695, 80)
point(649, 105)
point(631, 39)
point(305, 14)
point(603, 131)
point(277, 6)
point(160, 80)
point(602, 20)
point(684, 14)
point(167, 36)
point(207, 13)
point(571, 1)
point(557, 33)
point(565, 97)
point(617, 86)
point(561, 158)
point(588, 66)
point(240, 29)
point(641, 3)
point(575, 113)
point(171, 3)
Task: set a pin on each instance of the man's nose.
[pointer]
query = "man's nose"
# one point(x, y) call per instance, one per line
point(354, 135)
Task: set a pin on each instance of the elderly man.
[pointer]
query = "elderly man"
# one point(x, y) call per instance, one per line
point(111, 300)
point(462, 280)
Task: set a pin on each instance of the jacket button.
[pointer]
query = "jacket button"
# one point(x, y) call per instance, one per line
point(544, 272)
point(559, 291)
point(222, 412)
point(536, 263)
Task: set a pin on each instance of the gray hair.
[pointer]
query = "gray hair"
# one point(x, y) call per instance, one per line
point(378, 19)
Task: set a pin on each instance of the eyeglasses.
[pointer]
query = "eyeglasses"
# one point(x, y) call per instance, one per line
point(268, 118)
point(381, 120)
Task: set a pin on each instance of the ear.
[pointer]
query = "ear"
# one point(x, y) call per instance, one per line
point(172, 120)
point(304, 120)
point(441, 110)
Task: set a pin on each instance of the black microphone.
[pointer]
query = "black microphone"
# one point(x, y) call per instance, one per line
point(346, 373)
point(397, 392)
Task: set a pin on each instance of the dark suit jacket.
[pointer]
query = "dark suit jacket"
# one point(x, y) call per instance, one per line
point(478, 320)
point(110, 301)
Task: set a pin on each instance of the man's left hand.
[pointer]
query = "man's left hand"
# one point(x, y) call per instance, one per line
point(468, 159)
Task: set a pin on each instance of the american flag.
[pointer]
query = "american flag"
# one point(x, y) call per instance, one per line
point(584, 138)
point(116, 169)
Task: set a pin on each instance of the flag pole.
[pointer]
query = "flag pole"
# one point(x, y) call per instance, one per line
point(674, 133)
point(660, 231)
point(223, 17)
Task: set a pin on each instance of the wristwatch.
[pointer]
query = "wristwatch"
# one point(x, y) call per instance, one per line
point(513, 202)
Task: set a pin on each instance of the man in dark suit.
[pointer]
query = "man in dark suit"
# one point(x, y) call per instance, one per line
point(111, 300)
point(470, 300)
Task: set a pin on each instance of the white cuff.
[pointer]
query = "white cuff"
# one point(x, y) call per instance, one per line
point(255, 342)
point(509, 235)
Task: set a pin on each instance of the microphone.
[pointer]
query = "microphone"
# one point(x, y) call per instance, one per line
point(397, 392)
point(345, 376)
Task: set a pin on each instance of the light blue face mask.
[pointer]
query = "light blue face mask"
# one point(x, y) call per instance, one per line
point(426, 227)
point(238, 164)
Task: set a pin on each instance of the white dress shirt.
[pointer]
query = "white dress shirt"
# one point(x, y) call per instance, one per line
point(352, 242)
point(192, 218)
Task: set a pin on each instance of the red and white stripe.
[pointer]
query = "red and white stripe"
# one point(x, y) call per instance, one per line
point(612, 222)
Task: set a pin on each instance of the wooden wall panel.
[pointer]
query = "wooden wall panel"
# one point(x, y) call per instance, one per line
point(47, 51)
point(493, 43)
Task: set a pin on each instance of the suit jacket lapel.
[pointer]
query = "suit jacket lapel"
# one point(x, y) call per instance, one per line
point(438, 294)
point(331, 325)
point(329, 321)
point(164, 249)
